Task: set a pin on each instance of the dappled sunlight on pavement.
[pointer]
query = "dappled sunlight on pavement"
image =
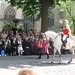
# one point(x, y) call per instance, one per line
point(8, 71)
point(12, 71)
point(12, 65)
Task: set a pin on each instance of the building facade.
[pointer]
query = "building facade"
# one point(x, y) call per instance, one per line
point(6, 11)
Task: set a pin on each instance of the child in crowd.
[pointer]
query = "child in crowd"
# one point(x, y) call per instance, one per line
point(20, 49)
point(14, 46)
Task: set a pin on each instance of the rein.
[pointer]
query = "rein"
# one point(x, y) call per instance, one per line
point(56, 36)
point(51, 38)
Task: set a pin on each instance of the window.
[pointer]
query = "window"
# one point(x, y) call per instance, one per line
point(10, 13)
point(50, 17)
point(30, 25)
point(51, 21)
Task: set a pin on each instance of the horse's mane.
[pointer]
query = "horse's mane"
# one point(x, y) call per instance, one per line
point(52, 32)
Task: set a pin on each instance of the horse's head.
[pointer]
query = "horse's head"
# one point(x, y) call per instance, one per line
point(44, 36)
point(50, 34)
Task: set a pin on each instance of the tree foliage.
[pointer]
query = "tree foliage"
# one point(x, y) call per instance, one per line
point(31, 7)
point(69, 8)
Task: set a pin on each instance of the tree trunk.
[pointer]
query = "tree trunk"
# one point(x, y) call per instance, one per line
point(44, 14)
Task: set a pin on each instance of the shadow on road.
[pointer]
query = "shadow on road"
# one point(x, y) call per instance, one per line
point(14, 62)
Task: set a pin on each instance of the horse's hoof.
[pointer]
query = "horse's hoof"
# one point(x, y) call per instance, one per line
point(69, 62)
point(38, 58)
point(52, 62)
point(60, 62)
point(47, 57)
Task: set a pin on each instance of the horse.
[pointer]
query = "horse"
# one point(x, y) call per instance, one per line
point(57, 43)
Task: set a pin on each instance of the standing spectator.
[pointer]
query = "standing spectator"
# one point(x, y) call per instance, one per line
point(32, 35)
point(14, 29)
point(8, 46)
point(8, 28)
point(2, 44)
point(20, 29)
point(41, 47)
point(24, 34)
point(26, 46)
point(32, 43)
point(40, 35)
point(37, 46)
point(45, 49)
point(20, 49)
point(9, 33)
point(11, 36)
point(14, 46)
point(35, 32)
point(31, 31)
point(17, 36)
point(28, 35)
point(4, 35)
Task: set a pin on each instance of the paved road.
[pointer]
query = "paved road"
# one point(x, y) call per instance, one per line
point(10, 65)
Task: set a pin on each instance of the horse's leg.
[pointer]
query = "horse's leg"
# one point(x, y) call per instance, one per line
point(53, 55)
point(60, 59)
point(72, 51)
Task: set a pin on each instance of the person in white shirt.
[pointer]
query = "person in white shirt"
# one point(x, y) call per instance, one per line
point(20, 48)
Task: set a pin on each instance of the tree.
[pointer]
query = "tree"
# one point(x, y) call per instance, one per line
point(69, 8)
point(31, 7)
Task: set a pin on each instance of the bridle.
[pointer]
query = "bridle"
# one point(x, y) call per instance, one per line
point(51, 38)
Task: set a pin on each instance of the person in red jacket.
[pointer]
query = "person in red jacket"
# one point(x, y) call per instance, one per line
point(65, 33)
point(40, 46)
point(37, 46)
point(46, 49)
point(43, 48)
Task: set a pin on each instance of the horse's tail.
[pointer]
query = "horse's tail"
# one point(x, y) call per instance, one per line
point(71, 36)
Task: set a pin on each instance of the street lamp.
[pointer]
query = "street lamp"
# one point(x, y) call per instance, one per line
point(15, 21)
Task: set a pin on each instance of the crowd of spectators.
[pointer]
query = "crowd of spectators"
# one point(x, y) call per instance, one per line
point(19, 42)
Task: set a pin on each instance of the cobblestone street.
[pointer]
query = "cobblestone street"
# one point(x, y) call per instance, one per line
point(11, 65)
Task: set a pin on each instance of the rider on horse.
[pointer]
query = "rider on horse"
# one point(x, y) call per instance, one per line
point(65, 33)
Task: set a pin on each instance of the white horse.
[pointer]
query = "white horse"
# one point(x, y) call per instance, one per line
point(57, 43)
point(50, 34)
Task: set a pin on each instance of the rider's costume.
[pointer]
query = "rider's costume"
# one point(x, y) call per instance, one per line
point(65, 35)
point(70, 34)
point(67, 32)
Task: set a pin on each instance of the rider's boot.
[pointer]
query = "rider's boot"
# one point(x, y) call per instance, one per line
point(39, 56)
point(64, 44)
